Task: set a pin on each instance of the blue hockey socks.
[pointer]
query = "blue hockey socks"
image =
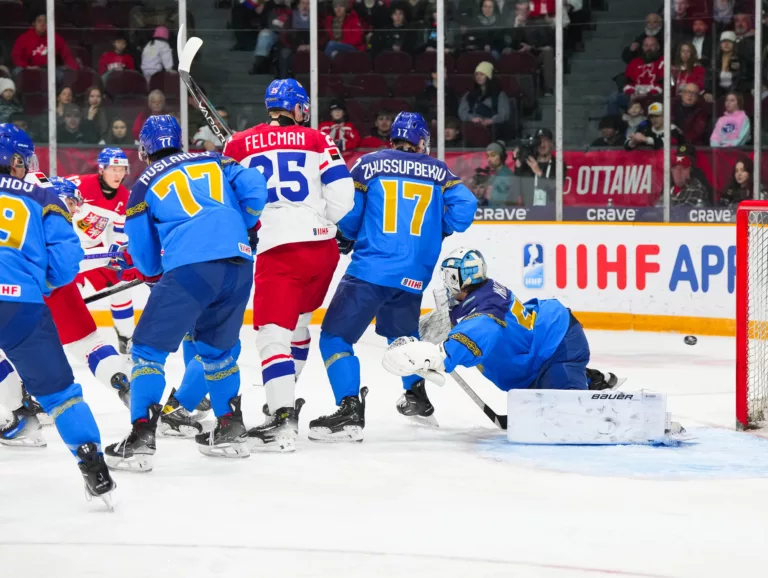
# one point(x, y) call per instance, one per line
point(342, 365)
point(147, 379)
point(73, 417)
point(193, 386)
point(222, 375)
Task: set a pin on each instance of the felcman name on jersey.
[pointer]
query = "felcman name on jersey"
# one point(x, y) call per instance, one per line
point(163, 164)
point(262, 140)
point(403, 167)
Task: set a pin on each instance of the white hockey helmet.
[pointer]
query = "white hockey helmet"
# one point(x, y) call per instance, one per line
point(462, 268)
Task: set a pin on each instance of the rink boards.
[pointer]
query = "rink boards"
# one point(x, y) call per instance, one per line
point(623, 276)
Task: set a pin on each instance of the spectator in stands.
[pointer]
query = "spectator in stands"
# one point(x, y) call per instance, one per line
point(728, 66)
point(63, 98)
point(733, 129)
point(416, 11)
point(295, 39)
point(205, 138)
point(654, 26)
point(650, 133)
point(426, 101)
point(155, 105)
point(702, 42)
point(374, 14)
point(379, 136)
point(342, 132)
point(722, 12)
point(116, 59)
point(157, 54)
point(118, 134)
point(691, 115)
point(633, 118)
point(643, 77)
point(484, 33)
point(687, 189)
point(537, 172)
point(486, 103)
point(498, 191)
point(579, 18)
point(452, 32)
point(686, 68)
point(479, 185)
point(741, 186)
point(534, 38)
point(70, 131)
point(452, 133)
point(344, 30)
point(20, 120)
point(95, 117)
point(31, 49)
point(611, 133)
point(400, 35)
point(743, 26)
point(8, 103)
point(542, 9)
point(275, 20)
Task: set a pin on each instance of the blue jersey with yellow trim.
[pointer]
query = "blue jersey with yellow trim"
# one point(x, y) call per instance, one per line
point(508, 340)
point(192, 208)
point(404, 204)
point(39, 249)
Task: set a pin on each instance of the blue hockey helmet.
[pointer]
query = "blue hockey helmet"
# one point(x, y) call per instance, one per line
point(68, 192)
point(22, 145)
point(7, 151)
point(411, 128)
point(463, 268)
point(158, 133)
point(113, 157)
point(285, 94)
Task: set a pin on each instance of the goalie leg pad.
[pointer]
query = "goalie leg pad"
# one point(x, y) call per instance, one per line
point(586, 417)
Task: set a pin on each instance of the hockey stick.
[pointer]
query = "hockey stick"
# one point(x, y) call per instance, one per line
point(499, 420)
point(112, 291)
point(103, 256)
point(187, 53)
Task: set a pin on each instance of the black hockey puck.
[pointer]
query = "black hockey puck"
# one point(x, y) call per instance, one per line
point(690, 340)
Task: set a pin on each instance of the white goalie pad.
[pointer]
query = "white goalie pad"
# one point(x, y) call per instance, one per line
point(552, 416)
point(435, 326)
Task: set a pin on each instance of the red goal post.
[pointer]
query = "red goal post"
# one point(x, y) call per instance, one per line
point(752, 315)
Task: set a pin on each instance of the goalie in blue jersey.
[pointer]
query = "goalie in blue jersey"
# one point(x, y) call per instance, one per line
point(406, 202)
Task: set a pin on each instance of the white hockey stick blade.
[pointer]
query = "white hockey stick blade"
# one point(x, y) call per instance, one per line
point(188, 51)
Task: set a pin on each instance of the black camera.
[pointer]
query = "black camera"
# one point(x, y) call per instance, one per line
point(529, 146)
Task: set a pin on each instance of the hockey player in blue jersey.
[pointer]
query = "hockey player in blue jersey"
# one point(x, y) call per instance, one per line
point(406, 202)
point(187, 223)
point(538, 344)
point(39, 251)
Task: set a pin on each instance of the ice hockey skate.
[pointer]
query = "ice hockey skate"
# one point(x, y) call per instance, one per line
point(203, 410)
point(415, 405)
point(35, 408)
point(22, 430)
point(229, 438)
point(599, 380)
point(278, 433)
point(136, 453)
point(177, 422)
point(123, 344)
point(120, 382)
point(345, 424)
point(98, 481)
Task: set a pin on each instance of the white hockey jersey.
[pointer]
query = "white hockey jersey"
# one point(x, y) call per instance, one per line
point(309, 186)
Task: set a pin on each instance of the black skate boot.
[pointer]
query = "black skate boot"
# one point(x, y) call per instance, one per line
point(123, 344)
point(598, 381)
point(35, 408)
point(23, 430)
point(120, 382)
point(176, 422)
point(228, 439)
point(345, 425)
point(98, 482)
point(202, 410)
point(136, 453)
point(278, 433)
point(415, 405)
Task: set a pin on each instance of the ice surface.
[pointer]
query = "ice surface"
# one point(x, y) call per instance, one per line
point(452, 502)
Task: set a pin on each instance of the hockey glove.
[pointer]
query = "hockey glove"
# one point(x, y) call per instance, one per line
point(408, 356)
point(345, 245)
point(149, 280)
point(253, 238)
point(123, 264)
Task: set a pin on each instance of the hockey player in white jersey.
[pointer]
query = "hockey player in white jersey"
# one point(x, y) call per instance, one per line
point(310, 190)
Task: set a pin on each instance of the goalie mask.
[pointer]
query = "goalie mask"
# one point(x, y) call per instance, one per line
point(463, 268)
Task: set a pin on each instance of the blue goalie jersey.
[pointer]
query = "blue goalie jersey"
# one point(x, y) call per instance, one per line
point(404, 204)
point(39, 249)
point(507, 340)
point(192, 208)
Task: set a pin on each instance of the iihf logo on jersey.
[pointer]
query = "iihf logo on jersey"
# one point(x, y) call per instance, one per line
point(533, 266)
point(412, 283)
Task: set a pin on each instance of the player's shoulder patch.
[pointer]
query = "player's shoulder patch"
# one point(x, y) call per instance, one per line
point(136, 210)
point(500, 322)
point(55, 209)
point(227, 161)
point(467, 342)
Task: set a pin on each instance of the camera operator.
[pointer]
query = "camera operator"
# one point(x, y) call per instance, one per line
point(535, 169)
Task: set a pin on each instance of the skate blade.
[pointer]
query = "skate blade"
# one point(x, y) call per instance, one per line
point(44, 419)
point(184, 431)
point(278, 445)
point(324, 434)
point(25, 442)
point(229, 450)
point(140, 463)
point(107, 499)
point(622, 381)
point(199, 416)
point(423, 421)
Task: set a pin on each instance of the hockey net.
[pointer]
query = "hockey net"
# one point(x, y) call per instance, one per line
point(752, 315)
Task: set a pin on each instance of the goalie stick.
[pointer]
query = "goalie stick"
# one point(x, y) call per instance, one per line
point(112, 291)
point(187, 53)
point(499, 420)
